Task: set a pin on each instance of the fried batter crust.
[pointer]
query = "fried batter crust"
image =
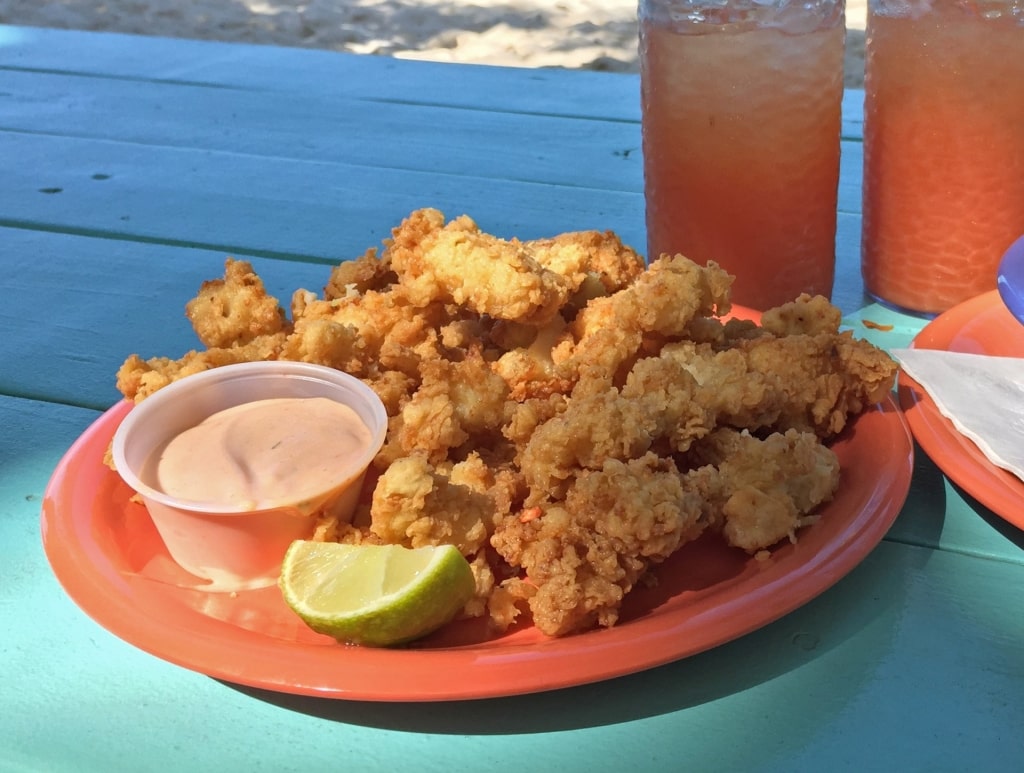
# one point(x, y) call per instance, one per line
point(564, 414)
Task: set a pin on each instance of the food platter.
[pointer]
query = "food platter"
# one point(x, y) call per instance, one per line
point(106, 554)
point(981, 325)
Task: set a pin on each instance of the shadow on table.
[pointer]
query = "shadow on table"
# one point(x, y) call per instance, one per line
point(872, 596)
point(918, 525)
point(999, 524)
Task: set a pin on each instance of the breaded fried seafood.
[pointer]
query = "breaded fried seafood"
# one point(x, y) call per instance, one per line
point(565, 414)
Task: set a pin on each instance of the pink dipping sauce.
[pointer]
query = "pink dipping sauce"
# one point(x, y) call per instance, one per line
point(289, 451)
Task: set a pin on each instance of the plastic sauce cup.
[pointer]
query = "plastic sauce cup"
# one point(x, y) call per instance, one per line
point(234, 548)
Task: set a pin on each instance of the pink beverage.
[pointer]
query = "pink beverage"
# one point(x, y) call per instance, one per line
point(943, 148)
point(741, 123)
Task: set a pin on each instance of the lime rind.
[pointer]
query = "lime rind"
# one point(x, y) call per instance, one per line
point(339, 590)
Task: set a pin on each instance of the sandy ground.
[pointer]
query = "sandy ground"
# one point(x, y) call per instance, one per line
point(590, 34)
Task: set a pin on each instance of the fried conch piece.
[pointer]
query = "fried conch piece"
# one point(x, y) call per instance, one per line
point(137, 379)
point(657, 407)
point(511, 280)
point(759, 492)
point(806, 315)
point(613, 330)
point(353, 277)
point(236, 309)
point(796, 372)
point(660, 305)
point(457, 263)
point(415, 505)
point(234, 318)
point(456, 402)
point(582, 557)
point(593, 263)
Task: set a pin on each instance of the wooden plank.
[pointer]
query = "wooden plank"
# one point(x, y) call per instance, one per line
point(851, 171)
point(848, 289)
point(271, 206)
point(568, 151)
point(853, 114)
point(321, 73)
point(546, 91)
point(562, 151)
point(219, 199)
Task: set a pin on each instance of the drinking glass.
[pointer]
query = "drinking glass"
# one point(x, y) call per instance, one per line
point(943, 148)
point(741, 104)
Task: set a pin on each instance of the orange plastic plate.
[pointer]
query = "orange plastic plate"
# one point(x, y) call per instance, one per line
point(107, 555)
point(981, 325)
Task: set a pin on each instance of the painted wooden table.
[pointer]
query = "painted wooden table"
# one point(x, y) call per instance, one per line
point(129, 168)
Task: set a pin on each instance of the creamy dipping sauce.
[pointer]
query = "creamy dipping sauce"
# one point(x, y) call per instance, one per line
point(264, 454)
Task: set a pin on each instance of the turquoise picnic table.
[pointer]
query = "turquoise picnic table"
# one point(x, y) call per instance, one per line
point(130, 167)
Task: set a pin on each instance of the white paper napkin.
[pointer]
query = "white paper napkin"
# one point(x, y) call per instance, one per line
point(983, 397)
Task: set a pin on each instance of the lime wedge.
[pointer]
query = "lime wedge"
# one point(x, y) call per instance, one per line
point(375, 595)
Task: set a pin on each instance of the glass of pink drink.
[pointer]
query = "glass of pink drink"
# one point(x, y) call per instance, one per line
point(741, 109)
point(943, 148)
